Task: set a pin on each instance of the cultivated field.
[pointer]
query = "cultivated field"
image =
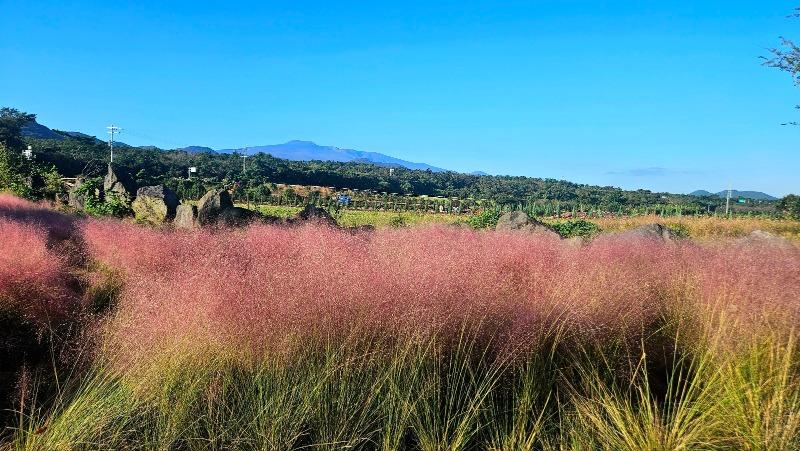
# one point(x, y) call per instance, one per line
point(432, 337)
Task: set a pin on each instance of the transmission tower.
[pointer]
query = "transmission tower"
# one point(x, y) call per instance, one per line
point(112, 129)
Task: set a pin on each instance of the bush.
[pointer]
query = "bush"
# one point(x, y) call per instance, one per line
point(397, 221)
point(789, 206)
point(96, 204)
point(679, 230)
point(575, 228)
point(487, 219)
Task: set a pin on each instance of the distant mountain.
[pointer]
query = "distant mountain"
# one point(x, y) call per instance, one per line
point(307, 151)
point(197, 149)
point(479, 173)
point(34, 129)
point(755, 195)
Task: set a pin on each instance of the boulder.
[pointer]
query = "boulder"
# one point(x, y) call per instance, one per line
point(75, 199)
point(185, 216)
point(653, 231)
point(237, 217)
point(520, 221)
point(155, 204)
point(211, 206)
point(315, 214)
point(118, 183)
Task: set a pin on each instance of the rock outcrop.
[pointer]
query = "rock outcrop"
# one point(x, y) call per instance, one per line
point(520, 221)
point(155, 204)
point(211, 206)
point(237, 217)
point(185, 216)
point(118, 183)
point(315, 214)
point(653, 231)
point(76, 199)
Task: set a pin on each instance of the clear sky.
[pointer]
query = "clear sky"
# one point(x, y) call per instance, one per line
point(658, 95)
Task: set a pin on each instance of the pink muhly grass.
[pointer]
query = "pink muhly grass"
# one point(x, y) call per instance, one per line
point(266, 287)
point(58, 226)
point(34, 283)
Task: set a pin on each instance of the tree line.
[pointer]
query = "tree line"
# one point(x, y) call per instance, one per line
point(81, 156)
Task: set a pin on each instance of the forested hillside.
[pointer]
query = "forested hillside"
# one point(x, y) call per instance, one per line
point(76, 156)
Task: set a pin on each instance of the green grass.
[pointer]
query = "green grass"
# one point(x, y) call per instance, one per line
point(365, 394)
point(355, 218)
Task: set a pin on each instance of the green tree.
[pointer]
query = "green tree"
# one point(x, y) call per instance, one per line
point(790, 206)
point(11, 123)
point(786, 57)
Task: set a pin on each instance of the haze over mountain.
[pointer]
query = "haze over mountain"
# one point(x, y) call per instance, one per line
point(755, 195)
point(307, 150)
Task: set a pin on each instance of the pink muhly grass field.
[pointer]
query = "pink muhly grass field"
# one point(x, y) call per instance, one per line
point(58, 226)
point(33, 281)
point(267, 287)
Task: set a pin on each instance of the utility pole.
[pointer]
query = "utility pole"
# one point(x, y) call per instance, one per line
point(728, 201)
point(244, 166)
point(111, 130)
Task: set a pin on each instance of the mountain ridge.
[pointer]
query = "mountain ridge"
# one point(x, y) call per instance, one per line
point(299, 150)
point(755, 195)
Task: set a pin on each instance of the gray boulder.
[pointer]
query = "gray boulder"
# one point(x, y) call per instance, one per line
point(520, 221)
point(119, 184)
point(315, 214)
point(237, 217)
point(75, 199)
point(185, 216)
point(211, 206)
point(155, 204)
point(653, 231)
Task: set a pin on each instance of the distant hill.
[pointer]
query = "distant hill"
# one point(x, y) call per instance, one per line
point(307, 151)
point(197, 149)
point(755, 195)
point(36, 130)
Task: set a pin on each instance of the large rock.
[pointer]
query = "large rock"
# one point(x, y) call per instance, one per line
point(211, 206)
point(155, 204)
point(118, 183)
point(237, 217)
point(315, 214)
point(654, 231)
point(520, 221)
point(185, 216)
point(76, 199)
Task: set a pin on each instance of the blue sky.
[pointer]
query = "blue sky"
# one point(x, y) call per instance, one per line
point(658, 95)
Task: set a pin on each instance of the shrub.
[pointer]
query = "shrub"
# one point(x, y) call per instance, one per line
point(487, 219)
point(110, 204)
point(679, 230)
point(397, 221)
point(575, 228)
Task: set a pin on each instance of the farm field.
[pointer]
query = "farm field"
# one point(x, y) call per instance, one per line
point(697, 227)
point(431, 337)
point(356, 218)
